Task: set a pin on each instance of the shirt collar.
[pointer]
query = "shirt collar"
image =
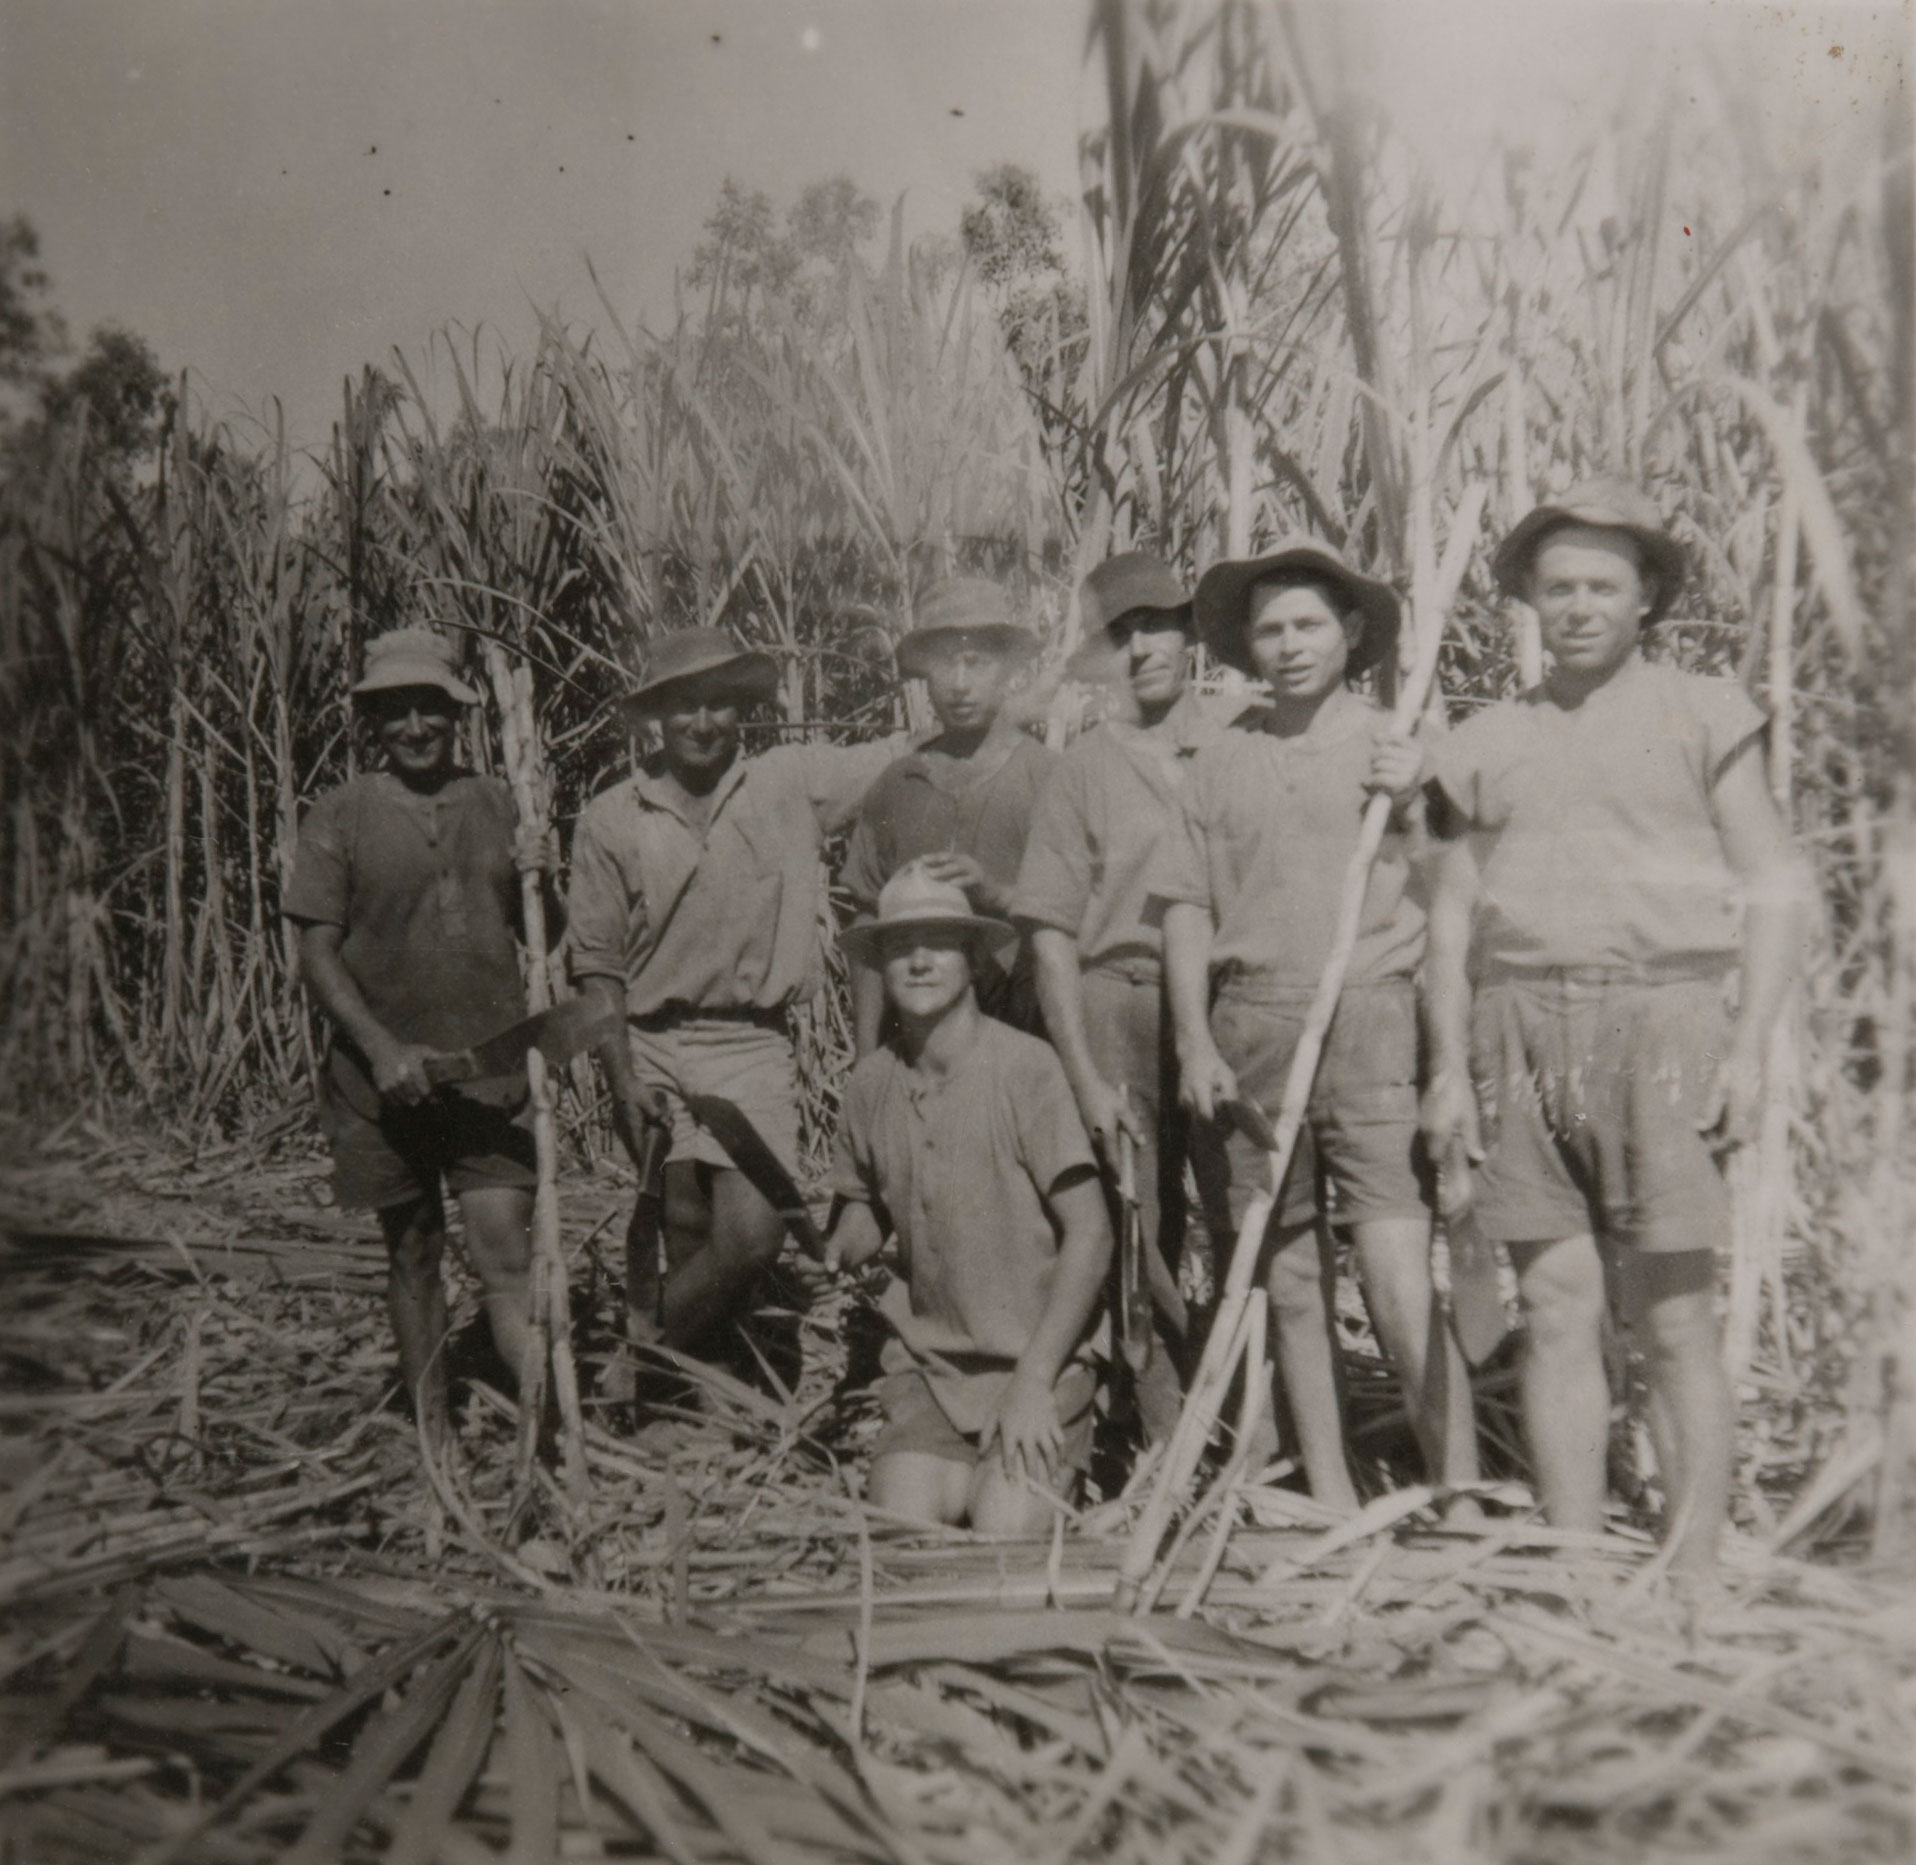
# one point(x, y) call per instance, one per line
point(654, 793)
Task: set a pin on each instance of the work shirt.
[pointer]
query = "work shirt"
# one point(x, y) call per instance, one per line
point(1264, 841)
point(930, 803)
point(723, 917)
point(961, 1172)
point(425, 890)
point(1596, 841)
point(1111, 796)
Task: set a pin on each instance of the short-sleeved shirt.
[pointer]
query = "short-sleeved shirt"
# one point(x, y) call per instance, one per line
point(1087, 865)
point(930, 803)
point(1596, 840)
point(426, 893)
point(961, 1172)
point(1263, 843)
point(724, 917)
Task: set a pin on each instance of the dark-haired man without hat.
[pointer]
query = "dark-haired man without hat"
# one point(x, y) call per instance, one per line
point(1253, 876)
point(406, 893)
point(694, 913)
point(960, 1136)
point(962, 801)
point(1082, 898)
point(1604, 829)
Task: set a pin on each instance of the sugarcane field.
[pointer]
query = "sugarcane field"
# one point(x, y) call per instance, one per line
point(820, 826)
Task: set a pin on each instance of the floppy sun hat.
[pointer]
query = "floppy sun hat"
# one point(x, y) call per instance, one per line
point(695, 659)
point(1223, 599)
point(406, 657)
point(1602, 505)
point(911, 901)
point(1136, 587)
point(965, 605)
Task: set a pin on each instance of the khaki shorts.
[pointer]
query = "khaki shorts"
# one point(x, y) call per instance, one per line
point(1590, 1090)
point(1359, 1141)
point(915, 1422)
point(749, 1063)
point(396, 1154)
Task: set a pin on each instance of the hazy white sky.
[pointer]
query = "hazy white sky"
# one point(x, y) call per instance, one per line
point(276, 191)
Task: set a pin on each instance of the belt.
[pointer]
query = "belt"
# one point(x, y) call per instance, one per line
point(1265, 987)
point(1707, 969)
point(675, 1015)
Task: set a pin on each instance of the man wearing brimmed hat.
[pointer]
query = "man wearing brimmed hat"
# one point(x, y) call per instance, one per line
point(1082, 899)
point(694, 910)
point(1604, 829)
point(960, 1134)
point(1252, 874)
point(407, 898)
point(961, 801)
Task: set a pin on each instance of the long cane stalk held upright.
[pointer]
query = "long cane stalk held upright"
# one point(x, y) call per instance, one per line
point(1225, 1347)
point(551, 1332)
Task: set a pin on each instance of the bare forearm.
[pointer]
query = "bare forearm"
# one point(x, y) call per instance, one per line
point(336, 991)
point(1446, 992)
point(606, 995)
point(1084, 1260)
point(1061, 996)
point(1187, 976)
point(1776, 925)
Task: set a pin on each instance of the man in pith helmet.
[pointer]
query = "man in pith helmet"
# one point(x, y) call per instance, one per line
point(962, 801)
point(406, 894)
point(1613, 865)
point(1082, 898)
point(1252, 875)
point(694, 913)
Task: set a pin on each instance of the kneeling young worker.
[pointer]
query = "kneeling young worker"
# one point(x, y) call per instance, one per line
point(1603, 828)
point(960, 1135)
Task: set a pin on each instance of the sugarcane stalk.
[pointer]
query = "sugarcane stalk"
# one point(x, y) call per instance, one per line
point(551, 1296)
point(1226, 1343)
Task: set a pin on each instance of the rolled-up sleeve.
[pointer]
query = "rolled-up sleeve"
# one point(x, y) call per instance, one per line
point(602, 911)
point(321, 888)
point(853, 1175)
point(1054, 879)
point(1050, 1129)
point(1180, 873)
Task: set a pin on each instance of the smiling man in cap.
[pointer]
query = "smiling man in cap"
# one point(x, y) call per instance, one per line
point(406, 893)
point(1252, 874)
point(1082, 899)
point(694, 912)
point(963, 800)
point(961, 1136)
point(1606, 832)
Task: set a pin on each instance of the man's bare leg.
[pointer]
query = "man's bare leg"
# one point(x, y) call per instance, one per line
point(1393, 1261)
point(723, 1237)
point(499, 1245)
point(1299, 1283)
point(415, 1235)
point(1671, 1301)
point(1565, 1395)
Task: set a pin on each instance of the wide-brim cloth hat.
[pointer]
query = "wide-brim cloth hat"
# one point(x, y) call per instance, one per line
point(405, 657)
point(1133, 584)
point(693, 659)
point(963, 605)
point(912, 901)
point(1605, 504)
point(1224, 591)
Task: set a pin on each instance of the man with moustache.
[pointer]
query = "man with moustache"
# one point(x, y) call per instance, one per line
point(694, 911)
point(1083, 900)
point(406, 894)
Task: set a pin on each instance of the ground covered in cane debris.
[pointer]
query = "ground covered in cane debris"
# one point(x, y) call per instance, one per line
point(236, 1622)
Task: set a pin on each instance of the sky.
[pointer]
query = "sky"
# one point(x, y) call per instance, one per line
point(274, 192)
